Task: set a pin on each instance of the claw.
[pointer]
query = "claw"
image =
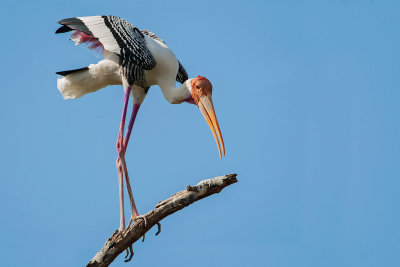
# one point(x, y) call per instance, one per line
point(145, 225)
point(144, 219)
point(138, 217)
point(129, 251)
point(159, 228)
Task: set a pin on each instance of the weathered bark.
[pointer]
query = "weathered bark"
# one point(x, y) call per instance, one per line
point(118, 243)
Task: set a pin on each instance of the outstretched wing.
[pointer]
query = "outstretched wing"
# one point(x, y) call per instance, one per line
point(182, 75)
point(115, 35)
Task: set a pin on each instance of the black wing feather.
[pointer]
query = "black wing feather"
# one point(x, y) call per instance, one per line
point(182, 75)
point(122, 38)
point(67, 72)
point(63, 29)
point(73, 24)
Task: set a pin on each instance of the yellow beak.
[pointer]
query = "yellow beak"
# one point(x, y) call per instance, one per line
point(206, 107)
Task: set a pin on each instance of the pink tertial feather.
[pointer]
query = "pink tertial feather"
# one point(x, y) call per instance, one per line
point(82, 38)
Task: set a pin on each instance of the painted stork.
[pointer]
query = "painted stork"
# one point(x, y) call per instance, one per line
point(136, 59)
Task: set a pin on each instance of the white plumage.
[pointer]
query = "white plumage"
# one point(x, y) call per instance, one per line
point(108, 72)
point(136, 60)
point(104, 73)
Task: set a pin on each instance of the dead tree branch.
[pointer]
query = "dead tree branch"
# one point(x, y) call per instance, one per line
point(118, 243)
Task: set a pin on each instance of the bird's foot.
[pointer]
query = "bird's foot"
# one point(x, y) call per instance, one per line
point(134, 218)
point(117, 235)
point(129, 254)
point(129, 250)
point(121, 229)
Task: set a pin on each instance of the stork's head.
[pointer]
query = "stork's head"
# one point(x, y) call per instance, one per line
point(201, 91)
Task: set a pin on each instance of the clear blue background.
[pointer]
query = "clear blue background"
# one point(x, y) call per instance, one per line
point(307, 95)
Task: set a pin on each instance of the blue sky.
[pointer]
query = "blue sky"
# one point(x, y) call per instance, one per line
point(307, 96)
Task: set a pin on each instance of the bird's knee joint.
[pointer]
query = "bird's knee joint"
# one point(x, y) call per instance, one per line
point(120, 148)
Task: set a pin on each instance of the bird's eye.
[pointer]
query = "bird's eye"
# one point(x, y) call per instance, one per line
point(198, 87)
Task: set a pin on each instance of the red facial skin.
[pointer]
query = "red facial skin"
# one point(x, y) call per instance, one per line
point(201, 86)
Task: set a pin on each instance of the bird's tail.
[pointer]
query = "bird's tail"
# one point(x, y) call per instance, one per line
point(79, 82)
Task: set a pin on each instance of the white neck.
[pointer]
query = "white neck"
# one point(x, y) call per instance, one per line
point(175, 95)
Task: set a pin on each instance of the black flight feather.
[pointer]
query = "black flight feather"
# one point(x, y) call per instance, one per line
point(67, 72)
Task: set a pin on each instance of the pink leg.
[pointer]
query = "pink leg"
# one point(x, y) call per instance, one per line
point(128, 185)
point(120, 143)
point(121, 199)
point(121, 163)
point(120, 168)
point(131, 122)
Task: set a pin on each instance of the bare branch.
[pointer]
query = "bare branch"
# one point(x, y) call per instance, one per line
point(118, 243)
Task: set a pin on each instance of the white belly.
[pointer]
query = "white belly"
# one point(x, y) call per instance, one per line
point(166, 67)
